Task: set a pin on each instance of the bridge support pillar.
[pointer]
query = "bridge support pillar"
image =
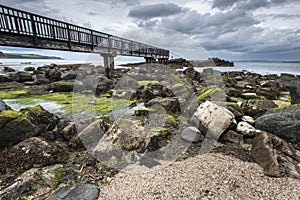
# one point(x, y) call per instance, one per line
point(163, 61)
point(109, 64)
point(150, 59)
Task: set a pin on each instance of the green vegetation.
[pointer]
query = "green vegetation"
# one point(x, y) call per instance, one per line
point(10, 114)
point(146, 83)
point(252, 96)
point(170, 119)
point(142, 111)
point(14, 94)
point(207, 92)
point(58, 175)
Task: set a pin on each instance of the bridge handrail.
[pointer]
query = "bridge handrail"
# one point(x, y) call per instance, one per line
point(20, 22)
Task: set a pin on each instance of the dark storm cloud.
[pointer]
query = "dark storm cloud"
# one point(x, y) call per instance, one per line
point(249, 4)
point(155, 10)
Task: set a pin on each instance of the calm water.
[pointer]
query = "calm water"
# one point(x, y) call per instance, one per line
point(257, 67)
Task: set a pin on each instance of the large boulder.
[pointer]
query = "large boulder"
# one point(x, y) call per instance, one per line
point(4, 78)
point(21, 77)
point(61, 86)
point(80, 191)
point(30, 122)
point(213, 119)
point(276, 156)
point(284, 124)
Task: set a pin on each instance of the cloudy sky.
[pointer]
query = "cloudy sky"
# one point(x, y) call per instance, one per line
point(230, 29)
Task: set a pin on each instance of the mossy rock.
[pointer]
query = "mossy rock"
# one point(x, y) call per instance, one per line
point(142, 112)
point(146, 83)
point(232, 106)
point(249, 96)
point(205, 93)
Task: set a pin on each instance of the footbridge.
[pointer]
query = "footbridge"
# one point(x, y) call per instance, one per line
point(23, 29)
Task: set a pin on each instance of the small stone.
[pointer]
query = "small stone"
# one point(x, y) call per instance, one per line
point(246, 129)
point(248, 119)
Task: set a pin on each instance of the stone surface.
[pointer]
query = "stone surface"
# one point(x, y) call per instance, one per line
point(80, 191)
point(248, 119)
point(20, 185)
point(28, 69)
point(246, 129)
point(213, 119)
point(32, 152)
point(192, 134)
point(276, 156)
point(284, 124)
point(21, 77)
point(61, 86)
point(257, 108)
point(170, 104)
point(232, 137)
point(30, 122)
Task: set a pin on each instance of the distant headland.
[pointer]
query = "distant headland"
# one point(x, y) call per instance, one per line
point(27, 56)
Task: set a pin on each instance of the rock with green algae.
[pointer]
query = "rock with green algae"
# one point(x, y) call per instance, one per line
point(29, 122)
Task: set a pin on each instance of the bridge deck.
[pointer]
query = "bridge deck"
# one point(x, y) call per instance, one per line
point(23, 29)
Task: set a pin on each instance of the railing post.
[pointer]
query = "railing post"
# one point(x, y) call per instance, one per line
point(17, 24)
point(69, 36)
point(92, 40)
point(109, 44)
point(33, 28)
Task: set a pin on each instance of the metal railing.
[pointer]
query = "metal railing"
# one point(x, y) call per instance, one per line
point(22, 23)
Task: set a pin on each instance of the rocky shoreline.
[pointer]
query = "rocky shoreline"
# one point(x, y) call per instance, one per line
point(252, 117)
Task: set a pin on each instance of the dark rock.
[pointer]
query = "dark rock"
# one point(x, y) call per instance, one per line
point(192, 134)
point(257, 108)
point(232, 92)
point(231, 137)
point(4, 78)
point(190, 73)
point(61, 86)
point(30, 122)
point(8, 69)
point(30, 83)
point(276, 156)
point(171, 105)
point(295, 94)
point(21, 77)
point(3, 106)
point(271, 93)
point(32, 152)
point(29, 69)
point(104, 85)
point(69, 75)
point(284, 124)
point(80, 191)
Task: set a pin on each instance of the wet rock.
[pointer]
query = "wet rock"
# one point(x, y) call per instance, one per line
point(29, 69)
point(284, 124)
point(4, 78)
point(192, 134)
point(3, 106)
point(8, 69)
point(61, 86)
point(171, 105)
point(213, 119)
point(257, 108)
point(104, 85)
point(190, 73)
point(248, 119)
point(71, 75)
point(232, 92)
point(30, 122)
point(32, 152)
point(80, 191)
point(69, 131)
point(295, 94)
point(276, 156)
point(21, 77)
point(152, 91)
point(271, 93)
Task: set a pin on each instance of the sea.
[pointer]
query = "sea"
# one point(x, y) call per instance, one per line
point(257, 67)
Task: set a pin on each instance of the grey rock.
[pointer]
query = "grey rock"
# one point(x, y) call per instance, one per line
point(192, 134)
point(284, 124)
point(69, 75)
point(232, 137)
point(28, 69)
point(80, 191)
point(21, 77)
point(276, 156)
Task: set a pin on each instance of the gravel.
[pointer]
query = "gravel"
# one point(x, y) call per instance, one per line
point(210, 176)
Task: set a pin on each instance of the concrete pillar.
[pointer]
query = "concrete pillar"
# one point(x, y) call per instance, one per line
point(109, 64)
